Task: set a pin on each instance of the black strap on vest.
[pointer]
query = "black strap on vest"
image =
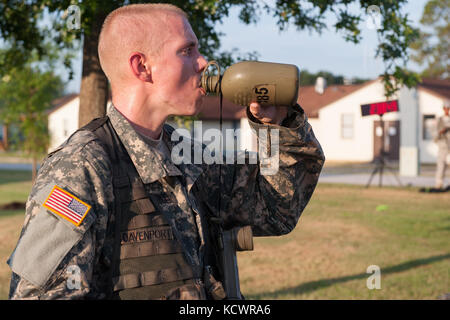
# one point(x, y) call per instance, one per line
point(96, 126)
point(103, 129)
point(120, 160)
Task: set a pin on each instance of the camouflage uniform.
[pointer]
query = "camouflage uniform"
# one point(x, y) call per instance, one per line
point(50, 246)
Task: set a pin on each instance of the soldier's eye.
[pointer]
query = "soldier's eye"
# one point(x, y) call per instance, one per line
point(186, 51)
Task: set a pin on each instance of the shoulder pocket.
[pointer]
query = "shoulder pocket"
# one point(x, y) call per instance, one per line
point(45, 242)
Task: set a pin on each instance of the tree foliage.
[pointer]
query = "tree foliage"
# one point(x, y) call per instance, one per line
point(307, 78)
point(26, 94)
point(21, 28)
point(432, 49)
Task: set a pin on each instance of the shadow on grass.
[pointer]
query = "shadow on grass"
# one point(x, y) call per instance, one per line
point(319, 284)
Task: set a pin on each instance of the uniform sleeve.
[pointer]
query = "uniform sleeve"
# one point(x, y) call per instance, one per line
point(271, 194)
point(54, 256)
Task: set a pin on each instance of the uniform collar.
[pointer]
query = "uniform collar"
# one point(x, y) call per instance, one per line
point(190, 171)
point(150, 163)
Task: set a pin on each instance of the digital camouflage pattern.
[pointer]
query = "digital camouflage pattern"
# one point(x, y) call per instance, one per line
point(271, 204)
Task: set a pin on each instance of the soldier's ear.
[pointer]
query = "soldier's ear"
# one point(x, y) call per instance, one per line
point(138, 66)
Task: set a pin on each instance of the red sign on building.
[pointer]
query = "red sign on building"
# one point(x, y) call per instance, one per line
point(379, 108)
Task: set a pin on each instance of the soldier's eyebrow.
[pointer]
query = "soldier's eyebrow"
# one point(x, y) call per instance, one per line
point(189, 44)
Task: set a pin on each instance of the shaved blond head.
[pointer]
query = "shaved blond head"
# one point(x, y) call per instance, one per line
point(133, 28)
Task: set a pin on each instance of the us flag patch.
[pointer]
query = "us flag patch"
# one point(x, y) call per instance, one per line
point(66, 205)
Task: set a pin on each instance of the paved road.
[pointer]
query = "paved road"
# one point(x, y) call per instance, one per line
point(387, 180)
point(358, 176)
point(16, 166)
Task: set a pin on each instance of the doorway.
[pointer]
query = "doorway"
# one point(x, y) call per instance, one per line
point(391, 136)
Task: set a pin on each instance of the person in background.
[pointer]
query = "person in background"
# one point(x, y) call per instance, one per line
point(443, 141)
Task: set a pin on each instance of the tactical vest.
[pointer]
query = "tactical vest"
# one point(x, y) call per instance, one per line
point(147, 260)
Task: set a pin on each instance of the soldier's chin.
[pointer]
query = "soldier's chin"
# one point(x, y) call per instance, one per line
point(197, 106)
point(193, 109)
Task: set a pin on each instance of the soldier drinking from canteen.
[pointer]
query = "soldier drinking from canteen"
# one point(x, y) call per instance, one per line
point(110, 216)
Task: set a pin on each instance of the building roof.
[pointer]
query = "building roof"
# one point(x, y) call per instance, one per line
point(62, 101)
point(437, 87)
point(311, 101)
point(308, 98)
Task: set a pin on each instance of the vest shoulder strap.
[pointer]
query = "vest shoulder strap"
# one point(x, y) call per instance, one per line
point(95, 124)
point(103, 130)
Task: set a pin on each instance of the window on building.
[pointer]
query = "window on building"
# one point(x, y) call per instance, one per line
point(429, 126)
point(347, 126)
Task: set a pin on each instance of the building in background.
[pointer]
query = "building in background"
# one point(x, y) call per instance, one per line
point(63, 119)
point(345, 135)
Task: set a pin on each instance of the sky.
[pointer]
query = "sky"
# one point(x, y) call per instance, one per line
point(308, 51)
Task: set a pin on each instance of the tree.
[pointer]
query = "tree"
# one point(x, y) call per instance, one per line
point(433, 46)
point(308, 79)
point(19, 27)
point(25, 96)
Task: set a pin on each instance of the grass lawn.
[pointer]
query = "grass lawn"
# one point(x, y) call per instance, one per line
point(14, 186)
point(342, 231)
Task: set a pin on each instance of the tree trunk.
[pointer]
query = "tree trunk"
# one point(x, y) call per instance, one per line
point(33, 170)
point(94, 84)
point(5, 137)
